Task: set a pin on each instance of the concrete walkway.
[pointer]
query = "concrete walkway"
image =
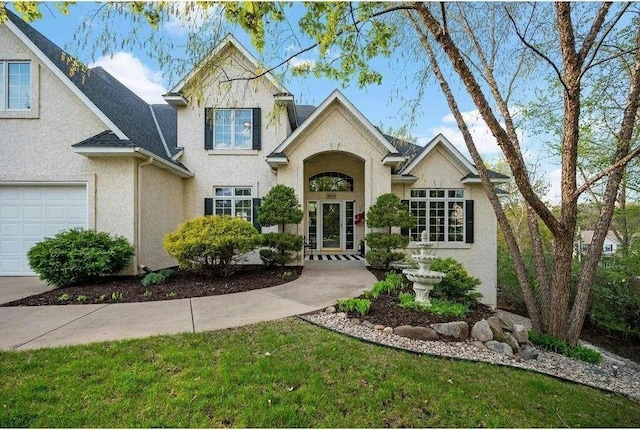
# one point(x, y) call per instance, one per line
point(28, 327)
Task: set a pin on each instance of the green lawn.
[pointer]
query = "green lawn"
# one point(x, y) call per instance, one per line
point(284, 374)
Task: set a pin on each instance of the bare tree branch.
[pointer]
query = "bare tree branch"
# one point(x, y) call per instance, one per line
point(596, 26)
point(612, 24)
point(620, 163)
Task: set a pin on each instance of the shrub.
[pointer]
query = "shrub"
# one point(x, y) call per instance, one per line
point(387, 212)
point(360, 306)
point(282, 248)
point(212, 242)
point(457, 285)
point(156, 278)
point(279, 207)
point(77, 255)
point(392, 284)
point(578, 352)
point(437, 307)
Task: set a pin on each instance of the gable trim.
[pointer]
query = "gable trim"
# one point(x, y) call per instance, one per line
point(429, 147)
point(336, 95)
point(65, 79)
point(164, 142)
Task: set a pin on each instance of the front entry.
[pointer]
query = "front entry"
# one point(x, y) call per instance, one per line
point(330, 225)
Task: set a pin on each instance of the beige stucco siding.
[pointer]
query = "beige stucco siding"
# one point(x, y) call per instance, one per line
point(162, 213)
point(229, 167)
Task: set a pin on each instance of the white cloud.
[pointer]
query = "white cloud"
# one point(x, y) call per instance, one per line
point(484, 140)
point(302, 63)
point(135, 75)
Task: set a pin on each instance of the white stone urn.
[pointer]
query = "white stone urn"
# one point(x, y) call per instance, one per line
point(423, 278)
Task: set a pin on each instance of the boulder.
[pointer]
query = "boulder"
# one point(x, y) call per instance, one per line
point(527, 352)
point(341, 315)
point(499, 347)
point(457, 331)
point(481, 331)
point(418, 333)
point(330, 310)
point(511, 341)
point(388, 330)
point(506, 323)
point(479, 344)
point(367, 324)
point(378, 327)
point(496, 327)
point(520, 333)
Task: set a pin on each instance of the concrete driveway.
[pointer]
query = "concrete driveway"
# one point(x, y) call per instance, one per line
point(28, 327)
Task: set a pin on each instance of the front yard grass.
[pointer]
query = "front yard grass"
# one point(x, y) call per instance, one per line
point(284, 374)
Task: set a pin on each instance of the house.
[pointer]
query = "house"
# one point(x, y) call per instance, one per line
point(609, 246)
point(83, 150)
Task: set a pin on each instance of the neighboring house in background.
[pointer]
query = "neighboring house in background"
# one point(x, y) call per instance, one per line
point(609, 247)
point(86, 151)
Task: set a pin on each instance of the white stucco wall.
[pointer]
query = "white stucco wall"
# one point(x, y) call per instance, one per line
point(440, 170)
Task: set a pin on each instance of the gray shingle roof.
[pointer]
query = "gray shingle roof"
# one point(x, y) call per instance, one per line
point(124, 108)
point(303, 112)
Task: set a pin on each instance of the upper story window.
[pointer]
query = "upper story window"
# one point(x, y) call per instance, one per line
point(233, 129)
point(331, 181)
point(15, 88)
point(440, 212)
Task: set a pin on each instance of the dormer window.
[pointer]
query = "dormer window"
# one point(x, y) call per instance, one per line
point(233, 129)
point(15, 88)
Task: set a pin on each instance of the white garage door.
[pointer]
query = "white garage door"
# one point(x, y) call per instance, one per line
point(28, 214)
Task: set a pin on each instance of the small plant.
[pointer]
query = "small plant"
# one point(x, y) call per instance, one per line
point(392, 284)
point(287, 274)
point(172, 295)
point(156, 278)
point(148, 293)
point(457, 285)
point(116, 296)
point(64, 297)
point(360, 306)
point(437, 307)
point(102, 297)
point(578, 352)
point(82, 298)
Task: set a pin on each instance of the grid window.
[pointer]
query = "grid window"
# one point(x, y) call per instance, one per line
point(15, 85)
point(441, 214)
point(331, 181)
point(235, 201)
point(233, 129)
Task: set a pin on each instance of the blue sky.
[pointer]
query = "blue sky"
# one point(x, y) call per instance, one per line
point(380, 104)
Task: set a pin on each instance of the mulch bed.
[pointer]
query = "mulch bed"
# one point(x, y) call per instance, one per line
point(181, 285)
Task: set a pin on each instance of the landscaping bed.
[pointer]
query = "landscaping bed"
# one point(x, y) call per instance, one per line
point(181, 284)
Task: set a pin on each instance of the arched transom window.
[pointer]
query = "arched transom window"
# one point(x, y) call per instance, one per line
point(331, 181)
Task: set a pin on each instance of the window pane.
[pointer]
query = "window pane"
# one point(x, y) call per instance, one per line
point(456, 221)
point(223, 191)
point(2, 84)
point(243, 191)
point(456, 194)
point(331, 181)
point(418, 193)
point(436, 194)
point(19, 85)
point(222, 129)
point(243, 129)
point(243, 209)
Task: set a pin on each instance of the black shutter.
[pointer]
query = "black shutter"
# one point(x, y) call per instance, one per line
point(208, 206)
point(257, 129)
point(468, 220)
point(254, 214)
point(208, 128)
point(404, 230)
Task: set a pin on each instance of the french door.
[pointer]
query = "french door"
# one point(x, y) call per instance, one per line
point(330, 225)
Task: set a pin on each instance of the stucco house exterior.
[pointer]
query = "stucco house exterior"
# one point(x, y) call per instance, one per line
point(609, 247)
point(83, 150)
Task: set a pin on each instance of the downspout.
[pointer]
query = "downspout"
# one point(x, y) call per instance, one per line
point(138, 256)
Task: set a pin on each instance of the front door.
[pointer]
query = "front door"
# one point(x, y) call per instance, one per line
point(331, 226)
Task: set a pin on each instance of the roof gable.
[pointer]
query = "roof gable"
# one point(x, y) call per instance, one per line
point(439, 140)
point(336, 96)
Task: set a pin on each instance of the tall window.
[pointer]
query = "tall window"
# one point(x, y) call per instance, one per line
point(234, 201)
point(15, 85)
point(233, 129)
point(440, 212)
point(331, 181)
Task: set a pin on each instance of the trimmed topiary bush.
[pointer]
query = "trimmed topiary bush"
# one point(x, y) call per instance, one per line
point(77, 255)
point(457, 285)
point(281, 247)
point(212, 242)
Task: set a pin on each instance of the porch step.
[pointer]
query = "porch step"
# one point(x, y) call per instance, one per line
point(334, 260)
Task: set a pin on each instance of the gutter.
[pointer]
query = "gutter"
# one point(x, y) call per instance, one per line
point(138, 255)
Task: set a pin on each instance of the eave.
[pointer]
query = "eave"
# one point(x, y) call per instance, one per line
point(175, 99)
point(277, 161)
point(403, 179)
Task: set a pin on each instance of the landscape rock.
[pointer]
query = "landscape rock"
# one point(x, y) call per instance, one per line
point(388, 330)
point(417, 333)
point(330, 310)
point(499, 347)
point(511, 341)
point(367, 324)
point(457, 331)
point(355, 320)
point(520, 333)
point(527, 352)
point(378, 327)
point(481, 331)
point(341, 315)
point(496, 327)
point(506, 323)
point(479, 344)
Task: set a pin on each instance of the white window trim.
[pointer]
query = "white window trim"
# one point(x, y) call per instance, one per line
point(233, 131)
point(4, 103)
point(234, 199)
point(446, 199)
point(34, 84)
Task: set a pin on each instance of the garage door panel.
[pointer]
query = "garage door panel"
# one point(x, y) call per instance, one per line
point(29, 214)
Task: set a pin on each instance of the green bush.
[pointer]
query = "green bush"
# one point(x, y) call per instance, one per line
point(156, 278)
point(279, 207)
point(578, 352)
point(212, 242)
point(387, 212)
point(77, 255)
point(282, 248)
point(392, 284)
point(457, 285)
point(437, 307)
point(360, 306)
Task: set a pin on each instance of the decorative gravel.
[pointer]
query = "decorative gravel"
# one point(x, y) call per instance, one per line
point(614, 374)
